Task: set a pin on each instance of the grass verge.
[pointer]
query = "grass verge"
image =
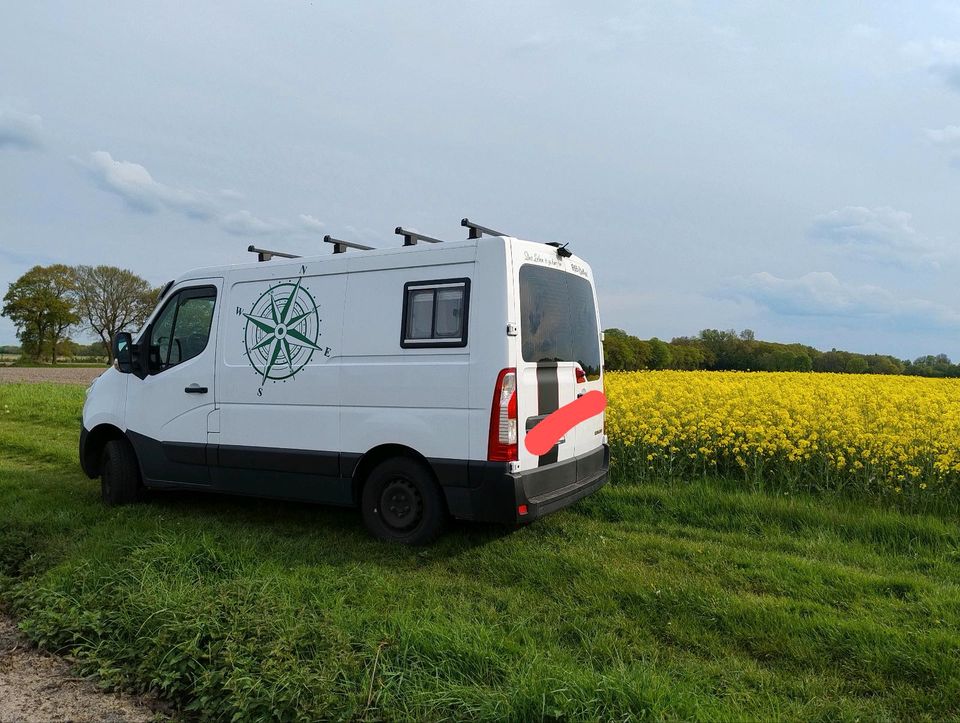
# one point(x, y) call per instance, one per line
point(688, 600)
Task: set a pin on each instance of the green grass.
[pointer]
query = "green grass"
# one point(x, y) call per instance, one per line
point(690, 600)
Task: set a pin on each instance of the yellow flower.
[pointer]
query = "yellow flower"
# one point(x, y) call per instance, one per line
point(845, 429)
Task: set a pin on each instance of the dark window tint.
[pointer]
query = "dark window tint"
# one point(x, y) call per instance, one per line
point(449, 313)
point(558, 319)
point(420, 314)
point(182, 328)
point(435, 313)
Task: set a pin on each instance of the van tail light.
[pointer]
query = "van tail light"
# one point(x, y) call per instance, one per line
point(502, 443)
point(581, 375)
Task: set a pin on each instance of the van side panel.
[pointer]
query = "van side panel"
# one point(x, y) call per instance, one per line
point(389, 395)
point(278, 385)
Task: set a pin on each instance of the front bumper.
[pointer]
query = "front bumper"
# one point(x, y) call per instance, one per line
point(495, 494)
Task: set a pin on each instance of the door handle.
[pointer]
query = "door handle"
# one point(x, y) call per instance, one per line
point(195, 389)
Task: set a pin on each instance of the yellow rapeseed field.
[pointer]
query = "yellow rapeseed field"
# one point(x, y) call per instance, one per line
point(891, 434)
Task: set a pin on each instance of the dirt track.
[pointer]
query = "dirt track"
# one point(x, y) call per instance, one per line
point(35, 686)
point(60, 375)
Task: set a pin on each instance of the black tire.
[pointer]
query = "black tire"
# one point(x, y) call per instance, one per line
point(120, 482)
point(401, 502)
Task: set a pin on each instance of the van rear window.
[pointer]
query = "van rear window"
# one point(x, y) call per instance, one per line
point(558, 319)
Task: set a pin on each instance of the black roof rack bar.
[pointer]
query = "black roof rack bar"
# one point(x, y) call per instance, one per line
point(266, 254)
point(410, 238)
point(340, 246)
point(476, 230)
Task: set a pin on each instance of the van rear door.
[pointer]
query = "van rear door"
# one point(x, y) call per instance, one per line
point(559, 352)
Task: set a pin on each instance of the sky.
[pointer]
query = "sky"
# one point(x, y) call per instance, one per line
point(791, 168)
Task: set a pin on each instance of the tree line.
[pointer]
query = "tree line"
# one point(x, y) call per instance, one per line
point(48, 303)
point(716, 350)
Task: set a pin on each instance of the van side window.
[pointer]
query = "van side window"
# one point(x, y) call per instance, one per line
point(435, 313)
point(182, 328)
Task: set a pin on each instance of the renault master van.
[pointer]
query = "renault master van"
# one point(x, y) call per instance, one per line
point(401, 381)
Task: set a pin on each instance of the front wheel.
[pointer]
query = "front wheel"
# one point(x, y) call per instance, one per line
point(401, 502)
point(120, 482)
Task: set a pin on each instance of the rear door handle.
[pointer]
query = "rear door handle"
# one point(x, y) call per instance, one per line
point(195, 389)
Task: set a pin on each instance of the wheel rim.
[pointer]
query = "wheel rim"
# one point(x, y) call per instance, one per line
point(401, 506)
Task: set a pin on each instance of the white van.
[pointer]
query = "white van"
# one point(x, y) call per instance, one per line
point(400, 380)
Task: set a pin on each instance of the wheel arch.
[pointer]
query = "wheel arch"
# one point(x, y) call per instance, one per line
point(378, 454)
point(92, 444)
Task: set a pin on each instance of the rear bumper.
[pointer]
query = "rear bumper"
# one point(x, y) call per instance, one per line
point(495, 494)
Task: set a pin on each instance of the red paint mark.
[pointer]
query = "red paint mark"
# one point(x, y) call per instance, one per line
point(547, 433)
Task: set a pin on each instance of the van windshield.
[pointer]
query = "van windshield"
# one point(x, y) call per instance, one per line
point(558, 320)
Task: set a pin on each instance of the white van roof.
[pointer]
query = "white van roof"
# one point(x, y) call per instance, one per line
point(458, 247)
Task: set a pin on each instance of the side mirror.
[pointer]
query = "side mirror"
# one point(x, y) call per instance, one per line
point(123, 351)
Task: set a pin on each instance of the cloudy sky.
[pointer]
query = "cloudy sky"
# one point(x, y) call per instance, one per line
point(763, 165)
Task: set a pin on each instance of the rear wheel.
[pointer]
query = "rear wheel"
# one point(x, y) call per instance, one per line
point(120, 482)
point(401, 502)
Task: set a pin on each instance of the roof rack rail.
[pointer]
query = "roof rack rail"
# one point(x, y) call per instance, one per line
point(410, 238)
point(476, 230)
point(266, 254)
point(340, 246)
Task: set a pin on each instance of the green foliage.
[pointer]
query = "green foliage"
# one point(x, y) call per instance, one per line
point(47, 301)
point(110, 300)
point(678, 600)
point(933, 366)
point(716, 350)
point(660, 356)
point(42, 307)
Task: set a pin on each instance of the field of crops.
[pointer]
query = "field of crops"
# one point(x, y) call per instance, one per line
point(886, 436)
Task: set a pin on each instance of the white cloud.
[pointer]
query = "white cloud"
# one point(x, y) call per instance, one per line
point(134, 184)
point(20, 130)
point(244, 223)
point(534, 42)
point(312, 223)
point(879, 234)
point(866, 32)
point(141, 192)
point(821, 294)
point(938, 56)
point(947, 135)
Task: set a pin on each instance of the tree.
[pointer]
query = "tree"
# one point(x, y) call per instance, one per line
point(686, 356)
point(882, 364)
point(42, 308)
point(659, 354)
point(856, 364)
point(111, 300)
point(617, 354)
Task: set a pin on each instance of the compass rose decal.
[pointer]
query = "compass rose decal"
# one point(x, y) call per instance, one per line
point(282, 331)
